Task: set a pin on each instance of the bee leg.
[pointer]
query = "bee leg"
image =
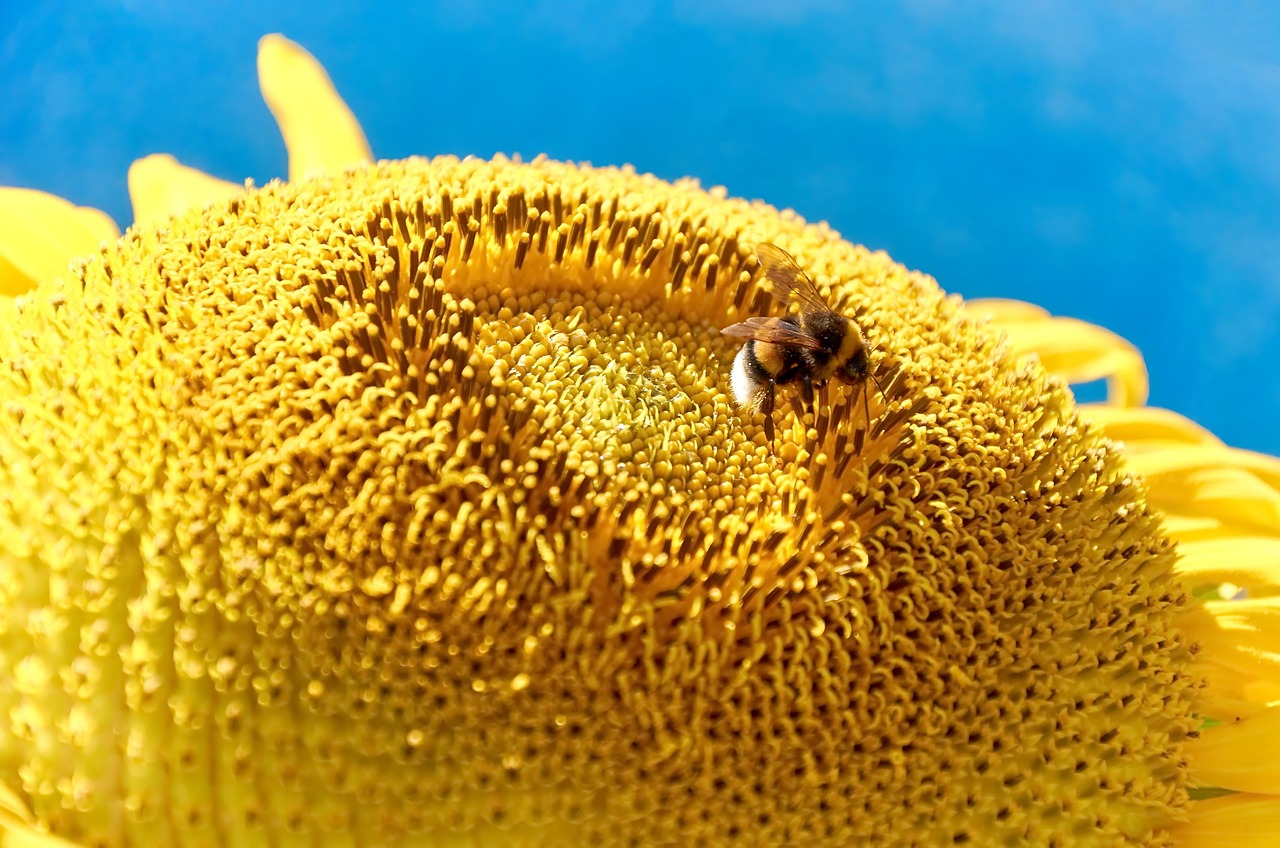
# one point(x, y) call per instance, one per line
point(806, 394)
point(766, 406)
point(800, 401)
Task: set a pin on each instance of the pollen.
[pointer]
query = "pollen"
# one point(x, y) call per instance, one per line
point(412, 505)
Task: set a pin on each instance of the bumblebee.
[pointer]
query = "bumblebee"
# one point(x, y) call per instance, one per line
point(808, 349)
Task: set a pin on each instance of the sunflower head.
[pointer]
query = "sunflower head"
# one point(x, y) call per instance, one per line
point(410, 503)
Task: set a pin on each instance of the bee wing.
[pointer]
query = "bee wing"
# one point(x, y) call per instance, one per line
point(790, 284)
point(773, 331)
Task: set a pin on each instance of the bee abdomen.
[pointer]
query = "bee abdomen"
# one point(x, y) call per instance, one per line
point(749, 379)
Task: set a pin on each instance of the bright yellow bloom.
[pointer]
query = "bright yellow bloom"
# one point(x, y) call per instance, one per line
point(405, 504)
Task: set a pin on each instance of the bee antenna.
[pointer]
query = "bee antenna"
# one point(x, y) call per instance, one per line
point(866, 404)
point(883, 396)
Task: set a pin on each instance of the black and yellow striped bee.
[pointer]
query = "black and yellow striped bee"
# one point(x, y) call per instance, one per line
point(808, 349)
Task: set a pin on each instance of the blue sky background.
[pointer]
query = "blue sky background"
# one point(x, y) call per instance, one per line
point(1118, 163)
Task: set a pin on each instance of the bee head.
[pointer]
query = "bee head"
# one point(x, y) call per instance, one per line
point(856, 368)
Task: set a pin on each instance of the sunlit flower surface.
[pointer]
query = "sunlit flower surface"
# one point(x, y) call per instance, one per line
point(406, 504)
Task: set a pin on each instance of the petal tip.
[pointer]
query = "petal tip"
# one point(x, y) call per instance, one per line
point(320, 131)
point(275, 47)
point(160, 187)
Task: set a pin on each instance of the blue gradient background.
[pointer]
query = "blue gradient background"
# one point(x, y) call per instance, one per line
point(1114, 162)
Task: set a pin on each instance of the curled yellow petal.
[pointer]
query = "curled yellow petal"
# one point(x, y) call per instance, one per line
point(1233, 821)
point(320, 132)
point(1226, 756)
point(40, 234)
point(162, 187)
point(1077, 351)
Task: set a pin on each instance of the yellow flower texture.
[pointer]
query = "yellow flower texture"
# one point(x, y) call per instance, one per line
point(406, 504)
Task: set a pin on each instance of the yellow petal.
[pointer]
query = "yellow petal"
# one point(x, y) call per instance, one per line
point(1255, 621)
point(1145, 428)
point(1234, 486)
point(40, 234)
point(1251, 562)
point(1226, 756)
point(17, 825)
point(1238, 672)
point(320, 132)
point(1002, 311)
point(1186, 526)
point(29, 837)
point(161, 187)
point(1233, 821)
point(12, 810)
point(1231, 694)
point(1206, 491)
point(1243, 636)
point(1188, 460)
point(1074, 350)
point(1229, 708)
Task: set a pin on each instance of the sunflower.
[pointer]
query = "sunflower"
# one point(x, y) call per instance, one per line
point(405, 503)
